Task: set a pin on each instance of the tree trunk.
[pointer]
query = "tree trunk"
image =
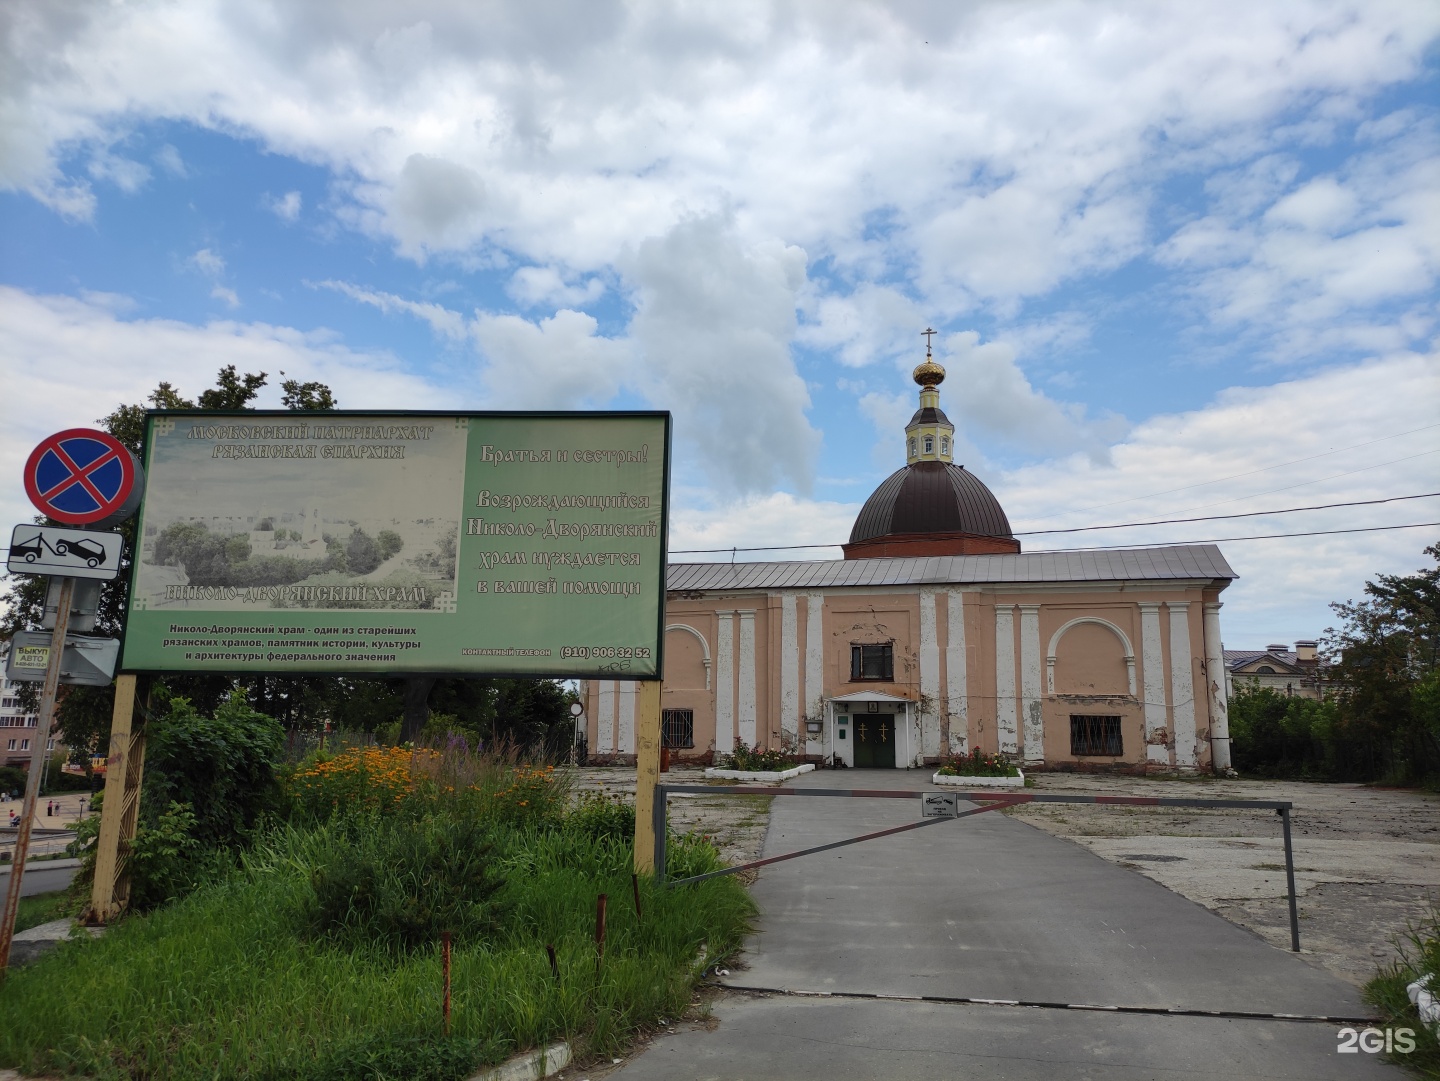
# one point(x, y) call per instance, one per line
point(417, 706)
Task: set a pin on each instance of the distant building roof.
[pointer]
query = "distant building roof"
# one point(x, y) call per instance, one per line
point(1181, 561)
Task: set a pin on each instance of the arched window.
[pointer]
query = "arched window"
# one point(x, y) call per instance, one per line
point(929, 444)
point(1265, 670)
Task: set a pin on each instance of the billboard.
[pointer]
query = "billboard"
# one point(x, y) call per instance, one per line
point(387, 543)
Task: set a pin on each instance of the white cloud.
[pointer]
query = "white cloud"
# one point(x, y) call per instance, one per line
point(534, 286)
point(208, 263)
point(127, 175)
point(713, 325)
point(285, 207)
point(169, 159)
point(982, 153)
point(778, 518)
point(443, 321)
point(557, 363)
point(229, 296)
point(1261, 448)
point(80, 361)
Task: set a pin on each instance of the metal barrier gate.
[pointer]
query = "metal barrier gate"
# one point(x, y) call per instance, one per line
point(994, 800)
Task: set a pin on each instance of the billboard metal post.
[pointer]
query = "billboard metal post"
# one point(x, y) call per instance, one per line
point(124, 770)
point(648, 825)
point(37, 769)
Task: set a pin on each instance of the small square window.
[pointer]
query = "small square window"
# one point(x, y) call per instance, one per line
point(872, 661)
point(1095, 735)
point(677, 728)
point(24, 744)
point(12, 746)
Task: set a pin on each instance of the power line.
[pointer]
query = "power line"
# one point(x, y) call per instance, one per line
point(1089, 528)
point(1263, 469)
point(1268, 536)
point(1222, 517)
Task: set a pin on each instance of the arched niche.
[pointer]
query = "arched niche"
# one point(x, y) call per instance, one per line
point(704, 647)
point(1124, 640)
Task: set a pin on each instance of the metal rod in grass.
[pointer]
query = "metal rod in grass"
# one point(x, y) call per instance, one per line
point(554, 965)
point(600, 903)
point(445, 977)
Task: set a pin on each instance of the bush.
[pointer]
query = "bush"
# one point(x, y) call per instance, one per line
point(399, 883)
point(599, 818)
point(754, 759)
point(1419, 956)
point(978, 764)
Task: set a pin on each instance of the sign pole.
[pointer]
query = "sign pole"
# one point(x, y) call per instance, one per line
point(124, 770)
point(647, 774)
point(38, 755)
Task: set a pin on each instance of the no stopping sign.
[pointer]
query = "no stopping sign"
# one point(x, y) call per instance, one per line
point(82, 476)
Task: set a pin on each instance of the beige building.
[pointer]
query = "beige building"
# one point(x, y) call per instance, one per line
point(1296, 673)
point(936, 635)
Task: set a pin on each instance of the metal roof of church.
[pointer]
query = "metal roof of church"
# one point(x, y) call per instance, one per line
point(1119, 565)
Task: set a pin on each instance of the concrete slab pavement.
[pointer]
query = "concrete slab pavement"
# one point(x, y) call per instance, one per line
point(991, 908)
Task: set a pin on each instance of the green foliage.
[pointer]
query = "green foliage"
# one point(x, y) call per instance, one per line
point(978, 764)
point(396, 883)
point(221, 767)
point(598, 818)
point(311, 395)
point(754, 759)
point(164, 859)
point(1419, 956)
point(42, 908)
point(390, 543)
point(362, 554)
point(223, 983)
point(1275, 735)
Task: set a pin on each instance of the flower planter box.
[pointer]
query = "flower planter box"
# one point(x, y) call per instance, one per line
point(981, 782)
point(767, 775)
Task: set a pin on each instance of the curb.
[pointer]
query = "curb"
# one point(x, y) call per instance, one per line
point(542, 1062)
point(981, 782)
point(768, 775)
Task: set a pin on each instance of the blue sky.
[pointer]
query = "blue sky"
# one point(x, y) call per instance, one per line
point(1182, 258)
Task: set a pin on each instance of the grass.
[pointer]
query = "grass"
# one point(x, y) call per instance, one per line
point(224, 984)
point(41, 908)
point(1419, 952)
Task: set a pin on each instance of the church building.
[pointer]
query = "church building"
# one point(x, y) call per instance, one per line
point(935, 635)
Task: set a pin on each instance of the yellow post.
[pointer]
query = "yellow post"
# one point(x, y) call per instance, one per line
point(647, 774)
point(124, 770)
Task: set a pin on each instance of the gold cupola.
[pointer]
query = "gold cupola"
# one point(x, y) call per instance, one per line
point(929, 437)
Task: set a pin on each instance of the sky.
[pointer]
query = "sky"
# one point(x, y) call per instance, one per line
point(1181, 258)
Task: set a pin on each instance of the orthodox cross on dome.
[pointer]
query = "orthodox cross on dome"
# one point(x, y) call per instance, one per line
point(927, 334)
point(928, 373)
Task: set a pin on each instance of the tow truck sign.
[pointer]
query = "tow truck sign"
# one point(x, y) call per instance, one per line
point(72, 553)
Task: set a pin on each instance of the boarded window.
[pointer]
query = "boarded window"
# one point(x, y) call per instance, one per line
point(677, 728)
point(1094, 735)
point(872, 660)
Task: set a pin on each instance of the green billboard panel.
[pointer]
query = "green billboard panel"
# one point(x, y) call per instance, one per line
point(447, 543)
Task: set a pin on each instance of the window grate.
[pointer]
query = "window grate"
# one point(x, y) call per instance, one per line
point(872, 660)
point(1090, 735)
point(677, 728)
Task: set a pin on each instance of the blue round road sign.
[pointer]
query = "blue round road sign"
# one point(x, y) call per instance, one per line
point(84, 477)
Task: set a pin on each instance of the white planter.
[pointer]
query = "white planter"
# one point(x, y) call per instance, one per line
point(769, 775)
point(981, 782)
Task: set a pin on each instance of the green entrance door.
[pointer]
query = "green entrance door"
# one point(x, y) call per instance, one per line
point(874, 740)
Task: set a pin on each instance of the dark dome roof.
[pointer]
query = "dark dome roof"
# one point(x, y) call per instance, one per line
point(931, 497)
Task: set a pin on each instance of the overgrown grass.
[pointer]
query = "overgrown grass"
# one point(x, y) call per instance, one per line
point(1419, 953)
point(230, 982)
point(42, 908)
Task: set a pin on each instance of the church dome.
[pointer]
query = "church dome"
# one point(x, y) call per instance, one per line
point(931, 506)
point(931, 497)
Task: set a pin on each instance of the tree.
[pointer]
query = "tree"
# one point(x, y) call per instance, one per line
point(1383, 664)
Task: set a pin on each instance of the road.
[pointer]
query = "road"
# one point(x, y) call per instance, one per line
point(44, 877)
point(991, 908)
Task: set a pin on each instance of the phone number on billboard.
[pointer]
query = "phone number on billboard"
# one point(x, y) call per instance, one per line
point(637, 652)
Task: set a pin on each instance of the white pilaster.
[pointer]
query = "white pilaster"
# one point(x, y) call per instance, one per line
point(1157, 754)
point(1005, 678)
point(1182, 684)
point(929, 706)
point(1217, 698)
point(625, 742)
point(789, 671)
point(724, 682)
point(814, 666)
point(605, 717)
point(746, 706)
point(958, 701)
point(1031, 709)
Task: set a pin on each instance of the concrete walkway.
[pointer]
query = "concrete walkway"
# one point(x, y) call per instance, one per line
point(990, 908)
